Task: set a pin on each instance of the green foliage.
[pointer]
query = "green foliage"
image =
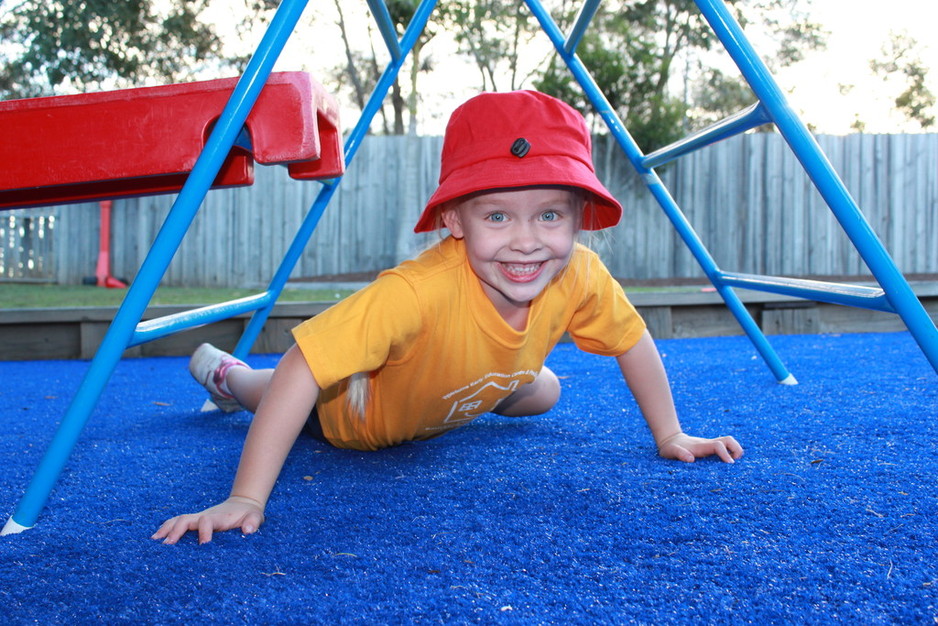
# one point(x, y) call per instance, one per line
point(42, 296)
point(900, 59)
point(492, 32)
point(635, 49)
point(53, 46)
point(630, 50)
point(788, 24)
point(361, 70)
point(716, 96)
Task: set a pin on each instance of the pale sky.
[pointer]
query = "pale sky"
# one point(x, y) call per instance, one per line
point(830, 89)
point(858, 31)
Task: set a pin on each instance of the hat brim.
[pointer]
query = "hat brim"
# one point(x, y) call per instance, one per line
point(511, 173)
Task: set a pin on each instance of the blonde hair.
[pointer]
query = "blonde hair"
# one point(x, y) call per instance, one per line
point(358, 394)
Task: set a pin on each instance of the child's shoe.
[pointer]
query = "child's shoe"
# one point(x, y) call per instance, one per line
point(209, 366)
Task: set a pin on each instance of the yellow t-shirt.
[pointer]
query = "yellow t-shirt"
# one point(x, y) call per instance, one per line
point(439, 353)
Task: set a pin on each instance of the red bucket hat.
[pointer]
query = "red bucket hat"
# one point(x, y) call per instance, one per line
point(518, 139)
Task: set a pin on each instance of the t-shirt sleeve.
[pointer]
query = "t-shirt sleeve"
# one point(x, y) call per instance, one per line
point(361, 333)
point(605, 322)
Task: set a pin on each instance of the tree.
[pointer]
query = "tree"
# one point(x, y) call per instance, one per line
point(787, 25)
point(402, 12)
point(713, 96)
point(361, 70)
point(57, 46)
point(492, 33)
point(634, 50)
point(637, 50)
point(630, 49)
point(785, 34)
point(900, 58)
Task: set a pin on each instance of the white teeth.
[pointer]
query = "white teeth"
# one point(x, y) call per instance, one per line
point(521, 269)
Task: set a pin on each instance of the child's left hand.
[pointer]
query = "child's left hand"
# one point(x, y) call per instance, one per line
point(683, 447)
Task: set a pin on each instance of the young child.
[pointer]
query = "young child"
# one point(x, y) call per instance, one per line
point(464, 328)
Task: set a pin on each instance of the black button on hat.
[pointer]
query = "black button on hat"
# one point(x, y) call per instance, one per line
point(520, 147)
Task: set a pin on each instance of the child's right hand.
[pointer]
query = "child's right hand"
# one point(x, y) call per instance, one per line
point(234, 512)
point(683, 447)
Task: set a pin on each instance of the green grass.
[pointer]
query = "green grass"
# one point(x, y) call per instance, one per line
point(48, 296)
point(42, 296)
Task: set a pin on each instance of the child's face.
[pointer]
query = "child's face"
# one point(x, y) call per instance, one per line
point(516, 240)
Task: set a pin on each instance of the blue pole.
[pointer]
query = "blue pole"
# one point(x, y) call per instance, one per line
point(379, 10)
point(583, 19)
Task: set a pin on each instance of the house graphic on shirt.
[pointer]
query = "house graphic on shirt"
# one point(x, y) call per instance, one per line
point(472, 406)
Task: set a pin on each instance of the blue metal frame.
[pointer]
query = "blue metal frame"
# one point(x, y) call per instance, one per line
point(127, 330)
point(580, 24)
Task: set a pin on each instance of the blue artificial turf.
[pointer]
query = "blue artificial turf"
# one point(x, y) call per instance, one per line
point(566, 518)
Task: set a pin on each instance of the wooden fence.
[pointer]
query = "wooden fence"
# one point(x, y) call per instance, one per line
point(747, 197)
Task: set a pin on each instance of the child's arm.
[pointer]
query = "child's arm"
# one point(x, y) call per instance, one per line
point(283, 410)
point(644, 373)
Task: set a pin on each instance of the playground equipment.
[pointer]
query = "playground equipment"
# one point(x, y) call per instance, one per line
point(243, 128)
point(102, 271)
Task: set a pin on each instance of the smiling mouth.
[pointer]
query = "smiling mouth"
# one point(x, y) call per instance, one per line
point(521, 272)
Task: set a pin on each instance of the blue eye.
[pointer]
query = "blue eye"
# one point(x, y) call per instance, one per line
point(497, 217)
point(550, 216)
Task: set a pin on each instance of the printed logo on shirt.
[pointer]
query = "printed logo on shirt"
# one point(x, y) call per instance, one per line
point(482, 395)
